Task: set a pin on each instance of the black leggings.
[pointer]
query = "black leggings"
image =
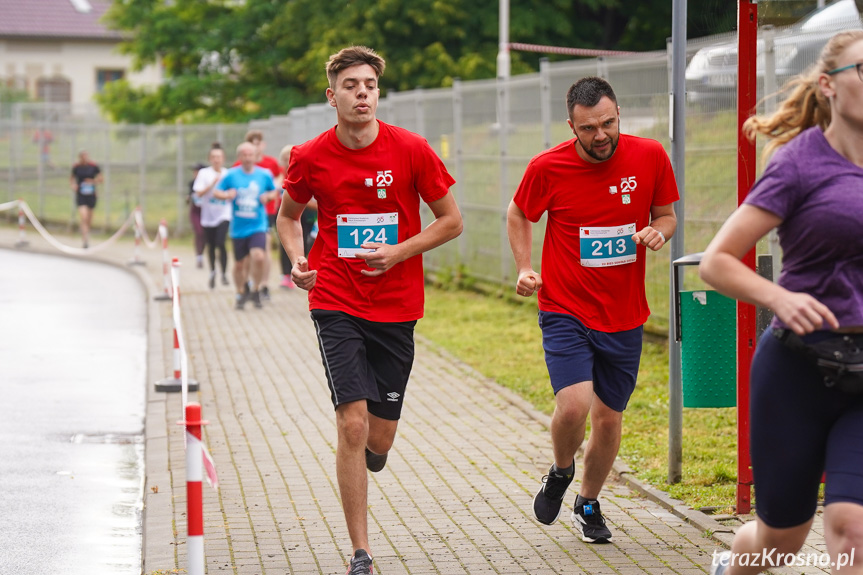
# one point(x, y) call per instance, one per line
point(215, 238)
point(799, 429)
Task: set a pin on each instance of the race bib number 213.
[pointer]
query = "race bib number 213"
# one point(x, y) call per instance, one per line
point(607, 246)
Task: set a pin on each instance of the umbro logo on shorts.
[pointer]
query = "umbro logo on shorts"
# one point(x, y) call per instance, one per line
point(393, 396)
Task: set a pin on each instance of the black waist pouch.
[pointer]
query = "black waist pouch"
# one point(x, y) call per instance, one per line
point(839, 358)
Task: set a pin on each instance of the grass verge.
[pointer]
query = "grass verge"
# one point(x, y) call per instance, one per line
point(501, 339)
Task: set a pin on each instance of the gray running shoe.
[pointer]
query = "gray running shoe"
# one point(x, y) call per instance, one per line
point(360, 564)
point(587, 517)
point(375, 462)
point(212, 282)
point(240, 301)
point(549, 498)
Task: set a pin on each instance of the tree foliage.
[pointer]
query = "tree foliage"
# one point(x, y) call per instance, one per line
point(232, 60)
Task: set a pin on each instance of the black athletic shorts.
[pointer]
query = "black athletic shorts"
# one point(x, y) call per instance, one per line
point(366, 360)
point(88, 200)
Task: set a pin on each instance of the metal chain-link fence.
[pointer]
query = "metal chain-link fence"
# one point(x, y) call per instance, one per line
point(485, 131)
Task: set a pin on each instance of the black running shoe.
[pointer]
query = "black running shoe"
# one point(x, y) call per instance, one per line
point(360, 564)
point(240, 301)
point(549, 498)
point(265, 293)
point(587, 517)
point(375, 462)
point(255, 296)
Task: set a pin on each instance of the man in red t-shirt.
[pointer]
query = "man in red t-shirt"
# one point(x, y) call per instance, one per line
point(608, 197)
point(270, 164)
point(364, 273)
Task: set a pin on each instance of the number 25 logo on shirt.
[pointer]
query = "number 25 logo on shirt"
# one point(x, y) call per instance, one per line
point(384, 179)
point(626, 184)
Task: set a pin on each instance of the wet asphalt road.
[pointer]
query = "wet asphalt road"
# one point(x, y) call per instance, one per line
point(72, 401)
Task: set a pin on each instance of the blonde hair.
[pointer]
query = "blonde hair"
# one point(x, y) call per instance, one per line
point(353, 56)
point(805, 105)
point(285, 155)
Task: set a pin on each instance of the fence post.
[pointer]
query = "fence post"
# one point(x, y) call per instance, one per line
point(142, 167)
point(181, 196)
point(545, 101)
point(419, 113)
point(503, 127)
point(458, 126)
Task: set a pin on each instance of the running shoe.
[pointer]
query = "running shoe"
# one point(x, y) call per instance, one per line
point(240, 301)
point(225, 280)
point(255, 296)
point(549, 498)
point(360, 564)
point(212, 281)
point(587, 517)
point(375, 462)
point(265, 293)
point(287, 282)
point(719, 564)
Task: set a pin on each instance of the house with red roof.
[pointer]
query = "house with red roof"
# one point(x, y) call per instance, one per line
point(60, 51)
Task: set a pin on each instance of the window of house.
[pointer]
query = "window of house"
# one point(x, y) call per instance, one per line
point(105, 76)
point(55, 89)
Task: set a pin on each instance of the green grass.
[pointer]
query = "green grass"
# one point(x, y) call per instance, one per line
point(500, 338)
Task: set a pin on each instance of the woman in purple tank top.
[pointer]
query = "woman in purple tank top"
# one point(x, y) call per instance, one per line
point(802, 425)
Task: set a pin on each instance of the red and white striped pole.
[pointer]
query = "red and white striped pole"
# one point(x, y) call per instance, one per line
point(174, 384)
point(194, 490)
point(22, 219)
point(136, 258)
point(166, 263)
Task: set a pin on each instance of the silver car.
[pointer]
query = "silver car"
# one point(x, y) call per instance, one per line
point(711, 76)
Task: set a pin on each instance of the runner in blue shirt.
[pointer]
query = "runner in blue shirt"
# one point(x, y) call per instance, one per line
point(249, 188)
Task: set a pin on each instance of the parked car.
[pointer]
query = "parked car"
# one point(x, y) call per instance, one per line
point(711, 75)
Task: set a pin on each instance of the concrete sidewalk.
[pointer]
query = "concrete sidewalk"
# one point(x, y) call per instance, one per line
point(455, 497)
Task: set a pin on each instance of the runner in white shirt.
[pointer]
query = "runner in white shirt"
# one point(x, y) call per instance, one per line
point(215, 213)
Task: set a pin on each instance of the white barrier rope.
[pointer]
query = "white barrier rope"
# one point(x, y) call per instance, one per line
point(134, 218)
point(66, 249)
point(139, 220)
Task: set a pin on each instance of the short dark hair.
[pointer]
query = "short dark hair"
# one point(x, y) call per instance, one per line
point(588, 92)
point(253, 135)
point(353, 56)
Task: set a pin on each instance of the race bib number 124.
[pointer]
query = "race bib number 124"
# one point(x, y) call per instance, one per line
point(358, 229)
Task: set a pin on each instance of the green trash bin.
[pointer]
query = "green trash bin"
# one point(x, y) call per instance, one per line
point(708, 347)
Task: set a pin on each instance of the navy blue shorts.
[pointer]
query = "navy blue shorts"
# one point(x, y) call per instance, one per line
point(574, 353)
point(244, 246)
point(799, 429)
point(366, 360)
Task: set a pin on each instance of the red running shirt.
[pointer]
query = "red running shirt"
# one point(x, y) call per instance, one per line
point(388, 176)
point(613, 194)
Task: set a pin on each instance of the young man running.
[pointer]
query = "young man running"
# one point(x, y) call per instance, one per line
point(364, 273)
point(608, 197)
